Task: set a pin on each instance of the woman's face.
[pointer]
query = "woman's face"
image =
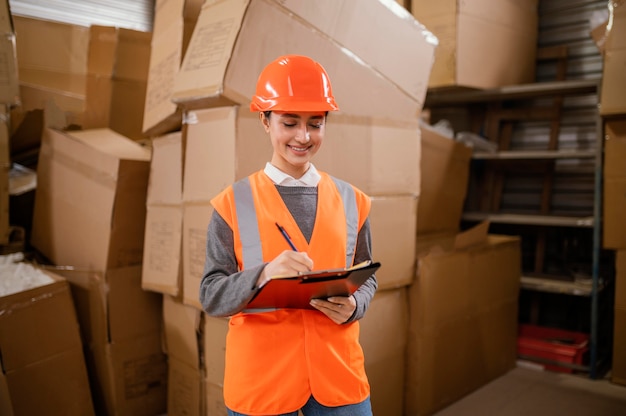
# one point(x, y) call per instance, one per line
point(296, 137)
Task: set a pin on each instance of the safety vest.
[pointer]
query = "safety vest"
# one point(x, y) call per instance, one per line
point(276, 359)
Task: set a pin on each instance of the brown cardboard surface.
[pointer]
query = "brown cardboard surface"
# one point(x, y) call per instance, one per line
point(463, 320)
point(222, 70)
point(162, 259)
point(162, 255)
point(614, 204)
point(214, 332)
point(129, 377)
point(117, 69)
point(185, 395)
point(5, 168)
point(43, 367)
point(215, 399)
point(385, 36)
point(196, 219)
point(481, 44)
point(56, 386)
point(620, 279)
point(383, 338)
point(613, 89)
point(223, 145)
point(445, 167)
point(615, 147)
point(174, 21)
point(181, 328)
point(9, 85)
point(90, 200)
point(112, 307)
point(380, 157)
point(393, 220)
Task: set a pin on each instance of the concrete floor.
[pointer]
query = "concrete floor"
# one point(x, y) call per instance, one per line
point(530, 392)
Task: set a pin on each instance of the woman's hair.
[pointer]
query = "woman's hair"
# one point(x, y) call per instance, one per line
point(267, 114)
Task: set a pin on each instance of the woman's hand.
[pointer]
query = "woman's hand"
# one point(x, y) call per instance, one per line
point(286, 263)
point(337, 308)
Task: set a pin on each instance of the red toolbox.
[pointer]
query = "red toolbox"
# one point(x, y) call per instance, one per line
point(556, 345)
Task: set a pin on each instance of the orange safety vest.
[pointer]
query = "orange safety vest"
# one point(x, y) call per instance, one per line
point(276, 359)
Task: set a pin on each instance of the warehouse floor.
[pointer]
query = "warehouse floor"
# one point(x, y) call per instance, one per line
point(524, 391)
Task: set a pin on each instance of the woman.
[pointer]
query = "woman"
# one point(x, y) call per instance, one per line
point(284, 360)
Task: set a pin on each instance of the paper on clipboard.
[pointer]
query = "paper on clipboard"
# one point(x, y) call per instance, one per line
point(295, 292)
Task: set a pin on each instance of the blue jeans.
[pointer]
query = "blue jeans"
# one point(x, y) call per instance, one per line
point(313, 408)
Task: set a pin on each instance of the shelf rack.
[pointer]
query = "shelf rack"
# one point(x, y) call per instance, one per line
point(592, 287)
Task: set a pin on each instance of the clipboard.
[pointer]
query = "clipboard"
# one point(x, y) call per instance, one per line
point(295, 292)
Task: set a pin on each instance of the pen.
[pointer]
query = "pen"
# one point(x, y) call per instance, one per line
point(286, 236)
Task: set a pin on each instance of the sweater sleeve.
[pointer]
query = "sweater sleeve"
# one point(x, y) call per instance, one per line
point(224, 290)
point(366, 291)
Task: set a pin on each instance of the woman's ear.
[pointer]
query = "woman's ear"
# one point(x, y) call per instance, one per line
point(264, 121)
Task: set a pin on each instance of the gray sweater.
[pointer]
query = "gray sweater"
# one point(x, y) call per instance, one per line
point(225, 291)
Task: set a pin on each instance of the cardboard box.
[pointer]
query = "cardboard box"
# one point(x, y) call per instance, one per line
point(380, 157)
point(196, 218)
point(121, 328)
point(223, 145)
point(162, 257)
point(463, 318)
point(214, 332)
point(43, 366)
point(5, 168)
point(393, 221)
point(228, 143)
point(117, 73)
point(618, 369)
point(613, 89)
point(9, 85)
point(52, 67)
point(181, 328)
point(482, 44)
point(90, 203)
point(131, 376)
point(445, 169)
point(222, 69)
point(614, 194)
point(185, 390)
point(384, 340)
point(381, 33)
point(215, 400)
point(174, 21)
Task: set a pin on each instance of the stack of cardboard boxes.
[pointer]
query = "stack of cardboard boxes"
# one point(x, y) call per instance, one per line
point(131, 221)
point(613, 111)
point(373, 142)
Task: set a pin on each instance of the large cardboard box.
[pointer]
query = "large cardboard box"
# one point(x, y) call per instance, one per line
point(382, 33)
point(393, 221)
point(463, 318)
point(5, 168)
point(482, 44)
point(613, 89)
point(9, 85)
point(445, 169)
point(214, 332)
point(384, 340)
point(185, 390)
point(614, 195)
point(43, 366)
point(378, 156)
point(90, 203)
point(196, 218)
point(117, 72)
point(618, 369)
point(174, 21)
point(225, 58)
point(182, 324)
point(121, 328)
point(162, 257)
point(52, 67)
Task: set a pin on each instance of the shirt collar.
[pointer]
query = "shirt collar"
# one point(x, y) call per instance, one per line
point(310, 178)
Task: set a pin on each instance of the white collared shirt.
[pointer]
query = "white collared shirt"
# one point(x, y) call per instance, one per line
point(310, 178)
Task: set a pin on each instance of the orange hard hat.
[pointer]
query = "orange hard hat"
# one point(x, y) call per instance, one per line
point(293, 83)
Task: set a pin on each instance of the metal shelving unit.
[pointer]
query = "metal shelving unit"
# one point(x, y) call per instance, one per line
point(492, 100)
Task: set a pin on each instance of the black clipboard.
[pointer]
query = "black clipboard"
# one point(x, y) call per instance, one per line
point(295, 292)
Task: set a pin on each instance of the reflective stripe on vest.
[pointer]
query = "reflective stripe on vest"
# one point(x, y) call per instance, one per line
point(249, 229)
